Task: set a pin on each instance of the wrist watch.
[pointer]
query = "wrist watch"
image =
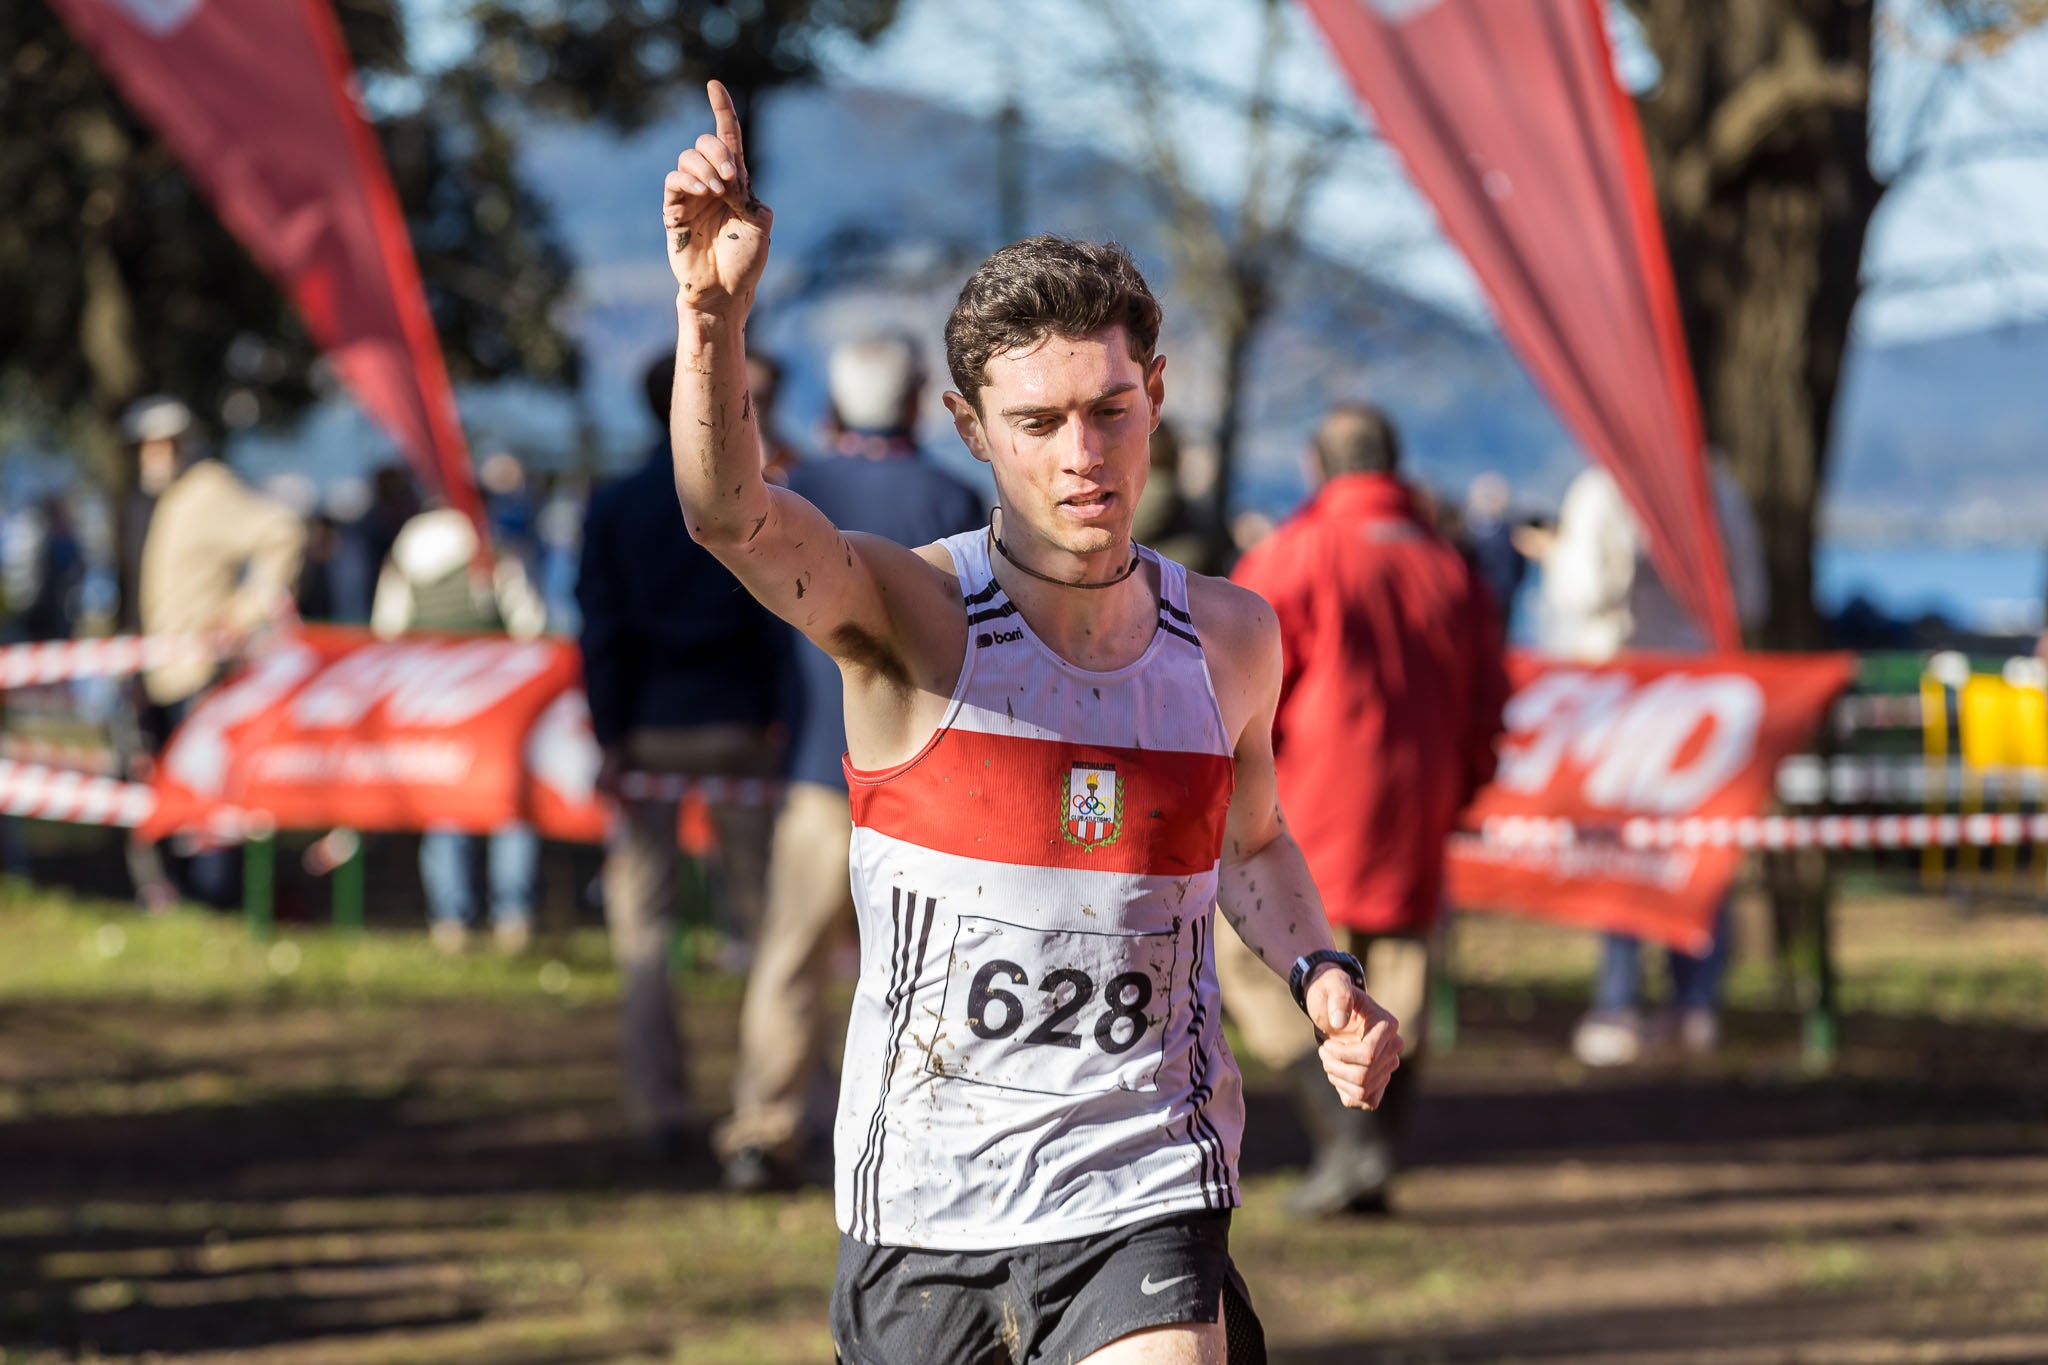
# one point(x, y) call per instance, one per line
point(1306, 964)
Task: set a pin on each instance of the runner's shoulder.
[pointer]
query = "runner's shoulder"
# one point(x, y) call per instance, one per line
point(1233, 621)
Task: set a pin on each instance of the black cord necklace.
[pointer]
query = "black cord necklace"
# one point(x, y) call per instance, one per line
point(1022, 567)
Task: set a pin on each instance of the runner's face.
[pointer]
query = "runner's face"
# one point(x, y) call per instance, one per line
point(1065, 424)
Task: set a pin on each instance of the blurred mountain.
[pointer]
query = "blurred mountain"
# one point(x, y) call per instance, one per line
point(1944, 440)
point(884, 204)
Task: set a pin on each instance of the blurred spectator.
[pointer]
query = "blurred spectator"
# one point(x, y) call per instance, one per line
point(764, 385)
point(152, 432)
point(219, 560)
point(558, 531)
point(679, 665)
point(875, 481)
point(1490, 542)
point(1165, 520)
point(393, 502)
point(1601, 595)
point(48, 597)
point(1391, 691)
point(501, 479)
point(347, 569)
point(429, 583)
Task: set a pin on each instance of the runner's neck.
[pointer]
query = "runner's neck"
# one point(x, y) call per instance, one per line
point(1099, 629)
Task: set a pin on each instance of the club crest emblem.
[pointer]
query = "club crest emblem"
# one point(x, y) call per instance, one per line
point(1092, 814)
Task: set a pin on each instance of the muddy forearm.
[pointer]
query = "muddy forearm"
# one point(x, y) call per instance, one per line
point(1271, 900)
point(712, 435)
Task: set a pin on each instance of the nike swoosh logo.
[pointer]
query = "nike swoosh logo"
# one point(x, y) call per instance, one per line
point(1148, 1288)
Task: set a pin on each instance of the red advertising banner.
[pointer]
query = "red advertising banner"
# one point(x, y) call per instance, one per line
point(258, 100)
point(1647, 735)
point(333, 727)
point(1510, 119)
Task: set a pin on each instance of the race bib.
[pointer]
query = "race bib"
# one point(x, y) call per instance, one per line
point(1057, 1011)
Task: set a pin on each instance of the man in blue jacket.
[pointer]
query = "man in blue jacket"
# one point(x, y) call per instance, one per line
point(873, 481)
point(679, 662)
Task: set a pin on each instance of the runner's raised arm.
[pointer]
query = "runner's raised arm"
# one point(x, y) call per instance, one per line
point(838, 589)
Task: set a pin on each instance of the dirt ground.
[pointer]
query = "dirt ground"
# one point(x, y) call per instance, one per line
point(280, 1179)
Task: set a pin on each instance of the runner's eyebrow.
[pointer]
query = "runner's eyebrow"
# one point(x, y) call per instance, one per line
point(1042, 410)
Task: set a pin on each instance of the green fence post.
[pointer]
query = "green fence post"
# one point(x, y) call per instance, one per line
point(1823, 1026)
point(259, 882)
point(1443, 989)
point(348, 887)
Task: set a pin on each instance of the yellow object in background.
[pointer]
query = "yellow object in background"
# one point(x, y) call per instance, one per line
point(1934, 742)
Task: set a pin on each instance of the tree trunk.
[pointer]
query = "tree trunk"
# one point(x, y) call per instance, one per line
point(107, 338)
point(1239, 328)
point(1758, 131)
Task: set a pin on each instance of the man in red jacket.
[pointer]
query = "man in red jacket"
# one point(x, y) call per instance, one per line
point(1391, 694)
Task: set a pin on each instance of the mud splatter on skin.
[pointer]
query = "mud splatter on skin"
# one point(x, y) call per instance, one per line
point(799, 590)
point(747, 404)
point(759, 522)
point(732, 236)
point(683, 240)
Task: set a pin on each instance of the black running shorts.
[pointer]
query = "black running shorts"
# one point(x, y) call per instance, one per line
point(1050, 1304)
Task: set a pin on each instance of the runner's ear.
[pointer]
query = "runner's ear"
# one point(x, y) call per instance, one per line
point(967, 422)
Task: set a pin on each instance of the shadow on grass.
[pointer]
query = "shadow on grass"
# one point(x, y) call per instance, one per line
point(139, 1231)
point(1792, 1328)
point(113, 1248)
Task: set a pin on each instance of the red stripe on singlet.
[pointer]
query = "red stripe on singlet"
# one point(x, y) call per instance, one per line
point(1002, 799)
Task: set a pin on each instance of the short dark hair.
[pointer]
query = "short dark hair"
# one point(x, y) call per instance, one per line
point(1047, 286)
point(660, 380)
point(1357, 438)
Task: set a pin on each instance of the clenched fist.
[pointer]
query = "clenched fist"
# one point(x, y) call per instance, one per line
point(1361, 1041)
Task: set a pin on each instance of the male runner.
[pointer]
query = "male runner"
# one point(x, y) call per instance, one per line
point(1060, 760)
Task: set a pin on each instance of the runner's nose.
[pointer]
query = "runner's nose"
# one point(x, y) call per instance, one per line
point(1083, 451)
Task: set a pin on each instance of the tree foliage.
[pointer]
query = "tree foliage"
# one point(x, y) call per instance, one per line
point(121, 281)
point(620, 60)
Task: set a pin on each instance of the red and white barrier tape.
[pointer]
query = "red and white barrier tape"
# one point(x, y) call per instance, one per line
point(41, 793)
point(117, 656)
point(1773, 831)
point(36, 792)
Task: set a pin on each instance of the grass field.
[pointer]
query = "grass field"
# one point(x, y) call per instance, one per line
point(325, 1149)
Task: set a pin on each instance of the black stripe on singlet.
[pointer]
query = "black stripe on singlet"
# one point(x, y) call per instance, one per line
point(990, 589)
point(992, 613)
point(898, 941)
point(1215, 1170)
point(1174, 621)
point(905, 969)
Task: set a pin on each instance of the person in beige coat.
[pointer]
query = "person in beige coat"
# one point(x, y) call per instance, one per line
point(219, 561)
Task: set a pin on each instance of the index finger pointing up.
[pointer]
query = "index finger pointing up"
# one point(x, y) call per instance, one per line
point(728, 119)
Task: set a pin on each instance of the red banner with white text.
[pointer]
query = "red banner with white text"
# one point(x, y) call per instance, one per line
point(333, 727)
point(1510, 119)
point(1647, 735)
point(259, 102)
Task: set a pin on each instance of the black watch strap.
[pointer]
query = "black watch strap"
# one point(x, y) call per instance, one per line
point(1306, 964)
